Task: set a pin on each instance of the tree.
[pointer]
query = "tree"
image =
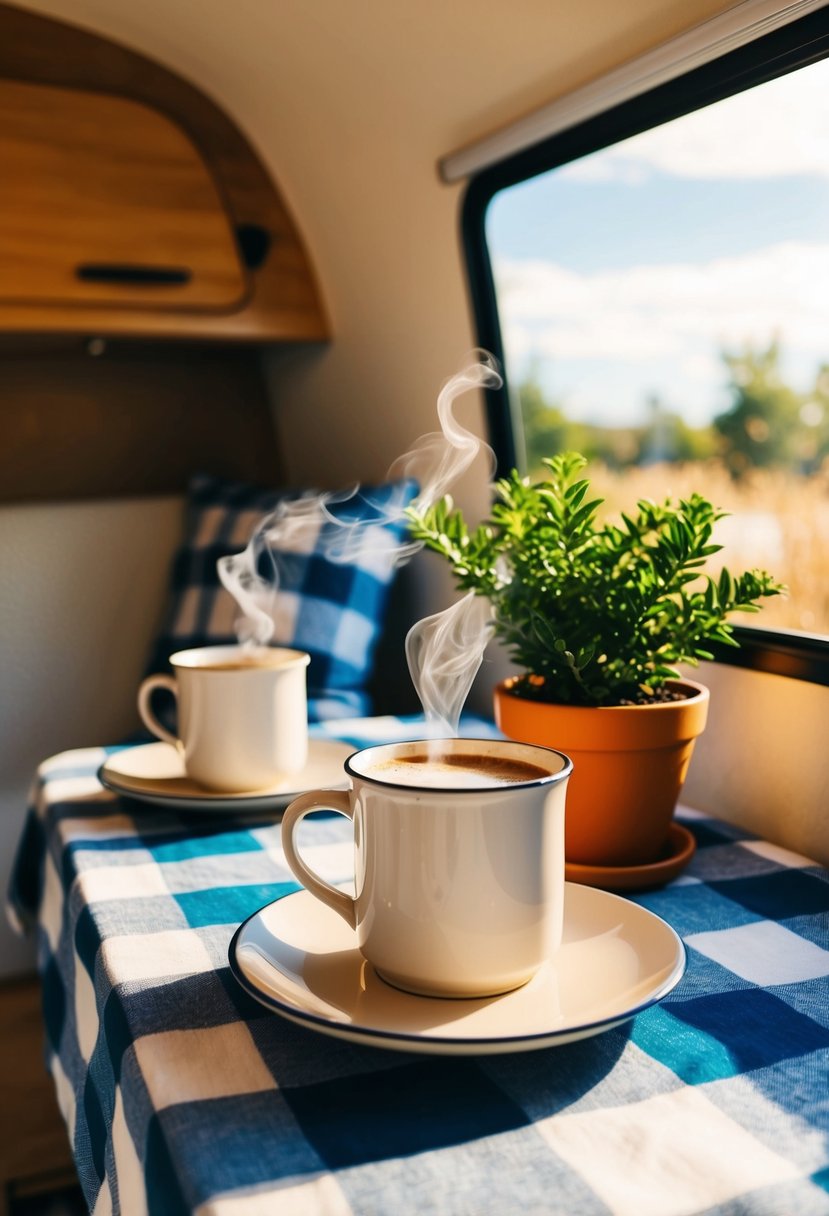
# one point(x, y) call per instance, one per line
point(667, 437)
point(814, 415)
point(763, 426)
point(545, 427)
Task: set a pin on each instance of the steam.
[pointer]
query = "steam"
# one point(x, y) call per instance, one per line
point(443, 651)
point(440, 458)
point(255, 596)
point(294, 528)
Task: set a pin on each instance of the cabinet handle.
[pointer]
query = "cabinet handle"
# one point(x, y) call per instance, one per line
point(133, 276)
point(254, 244)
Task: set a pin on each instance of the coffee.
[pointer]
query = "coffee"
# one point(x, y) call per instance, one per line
point(456, 770)
point(235, 658)
point(244, 665)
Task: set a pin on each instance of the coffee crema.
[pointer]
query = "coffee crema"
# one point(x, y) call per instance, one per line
point(457, 770)
point(242, 665)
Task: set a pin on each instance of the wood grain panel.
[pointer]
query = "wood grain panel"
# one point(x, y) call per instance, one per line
point(139, 418)
point(284, 303)
point(33, 1138)
point(98, 182)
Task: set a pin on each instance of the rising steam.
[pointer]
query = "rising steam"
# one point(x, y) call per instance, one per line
point(444, 651)
point(438, 459)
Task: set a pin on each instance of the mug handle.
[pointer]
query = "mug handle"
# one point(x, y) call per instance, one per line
point(317, 800)
point(149, 719)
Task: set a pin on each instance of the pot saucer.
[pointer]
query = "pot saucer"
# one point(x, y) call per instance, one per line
point(679, 849)
point(154, 773)
point(299, 958)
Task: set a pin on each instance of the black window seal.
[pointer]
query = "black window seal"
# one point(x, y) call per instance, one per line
point(796, 655)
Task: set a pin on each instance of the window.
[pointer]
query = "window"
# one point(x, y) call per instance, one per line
point(657, 293)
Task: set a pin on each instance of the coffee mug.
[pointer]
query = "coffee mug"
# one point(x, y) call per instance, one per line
point(459, 861)
point(242, 715)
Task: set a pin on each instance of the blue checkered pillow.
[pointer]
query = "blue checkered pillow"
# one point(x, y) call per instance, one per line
point(331, 608)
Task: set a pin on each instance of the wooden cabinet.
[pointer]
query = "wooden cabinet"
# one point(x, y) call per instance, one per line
point(131, 205)
point(107, 202)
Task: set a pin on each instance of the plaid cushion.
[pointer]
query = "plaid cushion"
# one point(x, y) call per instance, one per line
point(332, 592)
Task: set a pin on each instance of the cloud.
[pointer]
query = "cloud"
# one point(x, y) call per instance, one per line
point(773, 130)
point(660, 328)
point(645, 311)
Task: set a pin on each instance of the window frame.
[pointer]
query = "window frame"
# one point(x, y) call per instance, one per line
point(789, 653)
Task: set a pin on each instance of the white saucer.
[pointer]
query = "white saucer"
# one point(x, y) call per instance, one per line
point(299, 958)
point(154, 772)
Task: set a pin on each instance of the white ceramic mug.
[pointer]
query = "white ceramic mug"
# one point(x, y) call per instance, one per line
point(459, 862)
point(242, 715)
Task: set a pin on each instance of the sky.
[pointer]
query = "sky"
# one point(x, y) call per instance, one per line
point(624, 275)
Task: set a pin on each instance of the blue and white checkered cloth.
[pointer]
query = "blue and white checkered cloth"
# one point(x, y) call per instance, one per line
point(183, 1095)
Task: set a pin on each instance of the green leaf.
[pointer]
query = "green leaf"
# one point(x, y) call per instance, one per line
point(666, 673)
point(576, 492)
point(566, 588)
point(584, 514)
point(726, 586)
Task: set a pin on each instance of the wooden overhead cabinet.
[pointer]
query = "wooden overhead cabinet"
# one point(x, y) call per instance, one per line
point(105, 201)
point(113, 222)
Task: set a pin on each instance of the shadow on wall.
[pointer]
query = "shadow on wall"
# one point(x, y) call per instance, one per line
point(391, 685)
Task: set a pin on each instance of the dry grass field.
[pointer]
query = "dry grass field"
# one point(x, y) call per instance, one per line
point(778, 521)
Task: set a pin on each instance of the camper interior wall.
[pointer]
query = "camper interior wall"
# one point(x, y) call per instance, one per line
point(350, 108)
point(762, 762)
point(82, 591)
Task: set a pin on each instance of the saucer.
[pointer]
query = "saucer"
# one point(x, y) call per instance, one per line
point(154, 772)
point(678, 851)
point(299, 958)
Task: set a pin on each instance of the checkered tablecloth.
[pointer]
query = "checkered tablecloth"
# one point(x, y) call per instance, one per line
point(183, 1095)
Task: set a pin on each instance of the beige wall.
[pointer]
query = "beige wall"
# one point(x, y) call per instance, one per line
point(83, 589)
point(762, 762)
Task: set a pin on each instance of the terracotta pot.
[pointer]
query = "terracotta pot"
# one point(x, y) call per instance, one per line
point(629, 763)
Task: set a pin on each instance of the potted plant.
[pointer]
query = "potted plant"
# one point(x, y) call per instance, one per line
point(598, 616)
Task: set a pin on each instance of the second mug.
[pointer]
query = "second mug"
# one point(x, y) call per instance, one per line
point(242, 715)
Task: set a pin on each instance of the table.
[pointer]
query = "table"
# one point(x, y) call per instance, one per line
point(181, 1094)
